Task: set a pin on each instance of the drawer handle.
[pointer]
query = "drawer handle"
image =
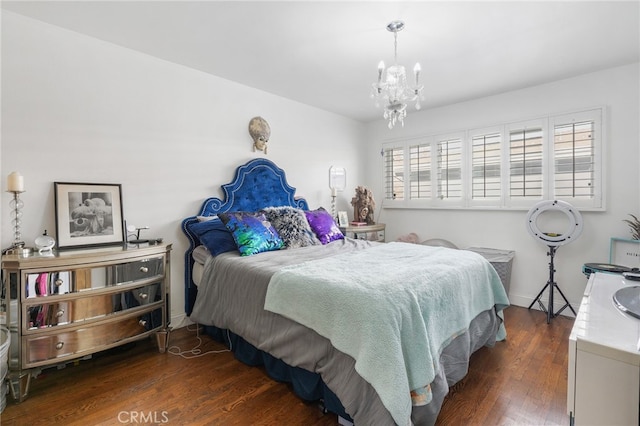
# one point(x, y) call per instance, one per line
point(142, 322)
point(59, 345)
point(59, 282)
point(60, 313)
point(143, 295)
point(144, 269)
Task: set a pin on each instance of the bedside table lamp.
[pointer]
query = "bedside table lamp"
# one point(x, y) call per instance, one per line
point(337, 182)
point(15, 185)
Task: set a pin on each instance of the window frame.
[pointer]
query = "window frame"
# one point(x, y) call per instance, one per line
point(526, 202)
point(485, 131)
point(436, 140)
point(547, 124)
point(597, 116)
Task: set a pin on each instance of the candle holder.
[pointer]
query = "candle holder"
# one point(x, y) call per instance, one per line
point(333, 205)
point(16, 205)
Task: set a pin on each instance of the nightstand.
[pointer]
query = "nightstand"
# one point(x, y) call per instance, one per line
point(373, 232)
point(65, 305)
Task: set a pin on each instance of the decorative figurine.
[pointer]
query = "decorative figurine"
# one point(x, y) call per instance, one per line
point(363, 206)
point(260, 132)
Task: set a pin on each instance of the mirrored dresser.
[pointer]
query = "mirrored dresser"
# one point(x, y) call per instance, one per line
point(64, 305)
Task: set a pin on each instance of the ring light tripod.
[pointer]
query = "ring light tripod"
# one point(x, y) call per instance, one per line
point(553, 241)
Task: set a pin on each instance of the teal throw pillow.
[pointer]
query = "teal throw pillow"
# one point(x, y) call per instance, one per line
point(252, 232)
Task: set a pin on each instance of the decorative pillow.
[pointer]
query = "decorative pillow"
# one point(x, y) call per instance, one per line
point(292, 226)
point(214, 236)
point(323, 225)
point(252, 232)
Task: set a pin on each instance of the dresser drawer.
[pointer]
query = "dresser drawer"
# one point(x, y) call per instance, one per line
point(138, 270)
point(63, 345)
point(56, 282)
point(66, 312)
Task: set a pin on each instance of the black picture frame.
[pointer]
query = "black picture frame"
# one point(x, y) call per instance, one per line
point(88, 215)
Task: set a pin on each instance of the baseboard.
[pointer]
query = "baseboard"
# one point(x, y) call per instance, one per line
point(557, 304)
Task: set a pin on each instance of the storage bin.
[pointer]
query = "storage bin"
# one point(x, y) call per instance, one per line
point(501, 260)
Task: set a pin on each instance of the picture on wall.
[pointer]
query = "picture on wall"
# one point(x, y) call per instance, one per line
point(343, 219)
point(88, 214)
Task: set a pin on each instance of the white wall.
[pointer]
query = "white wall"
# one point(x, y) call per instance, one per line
point(81, 110)
point(76, 109)
point(617, 89)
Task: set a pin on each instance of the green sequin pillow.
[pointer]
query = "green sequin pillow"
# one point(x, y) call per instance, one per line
point(252, 232)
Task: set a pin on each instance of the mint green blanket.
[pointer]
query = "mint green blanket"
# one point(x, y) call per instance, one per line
point(392, 307)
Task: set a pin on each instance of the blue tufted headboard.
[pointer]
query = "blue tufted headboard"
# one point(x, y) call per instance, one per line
point(256, 185)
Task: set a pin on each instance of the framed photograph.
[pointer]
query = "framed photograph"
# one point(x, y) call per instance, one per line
point(343, 220)
point(88, 214)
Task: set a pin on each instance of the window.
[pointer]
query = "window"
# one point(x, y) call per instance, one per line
point(577, 163)
point(394, 173)
point(486, 183)
point(513, 165)
point(449, 169)
point(525, 163)
point(573, 160)
point(420, 166)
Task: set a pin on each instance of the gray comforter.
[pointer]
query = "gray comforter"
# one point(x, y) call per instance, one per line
point(232, 294)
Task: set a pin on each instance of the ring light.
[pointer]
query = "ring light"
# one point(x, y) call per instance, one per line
point(553, 240)
point(574, 228)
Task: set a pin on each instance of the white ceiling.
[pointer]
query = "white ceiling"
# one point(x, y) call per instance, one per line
point(325, 53)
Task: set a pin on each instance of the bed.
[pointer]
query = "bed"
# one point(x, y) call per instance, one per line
point(376, 332)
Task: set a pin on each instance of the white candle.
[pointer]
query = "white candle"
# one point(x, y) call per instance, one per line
point(15, 182)
point(416, 71)
point(380, 70)
point(334, 192)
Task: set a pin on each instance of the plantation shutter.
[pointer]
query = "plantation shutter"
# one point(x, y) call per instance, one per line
point(394, 174)
point(420, 176)
point(574, 158)
point(449, 169)
point(525, 163)
point(485, 159)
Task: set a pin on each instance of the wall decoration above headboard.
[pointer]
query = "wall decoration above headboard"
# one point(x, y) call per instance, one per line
point(260, 133)
point(256, 185)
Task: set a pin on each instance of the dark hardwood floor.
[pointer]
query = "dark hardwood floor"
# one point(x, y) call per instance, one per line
point(522, 380)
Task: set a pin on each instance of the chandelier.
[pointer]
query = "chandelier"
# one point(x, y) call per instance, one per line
point(392, 88)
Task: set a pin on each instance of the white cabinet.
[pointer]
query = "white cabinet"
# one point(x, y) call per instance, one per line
point(604, 360)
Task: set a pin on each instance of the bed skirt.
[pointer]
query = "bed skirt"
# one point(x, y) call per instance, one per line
point(309, 386)
point(306, 385)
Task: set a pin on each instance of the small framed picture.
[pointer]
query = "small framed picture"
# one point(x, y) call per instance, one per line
point(343, 219)
point(88, 214)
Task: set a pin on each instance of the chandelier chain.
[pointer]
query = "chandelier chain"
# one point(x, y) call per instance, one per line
point(395, 47)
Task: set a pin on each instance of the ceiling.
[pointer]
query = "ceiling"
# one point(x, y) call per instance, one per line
point(325, 54)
